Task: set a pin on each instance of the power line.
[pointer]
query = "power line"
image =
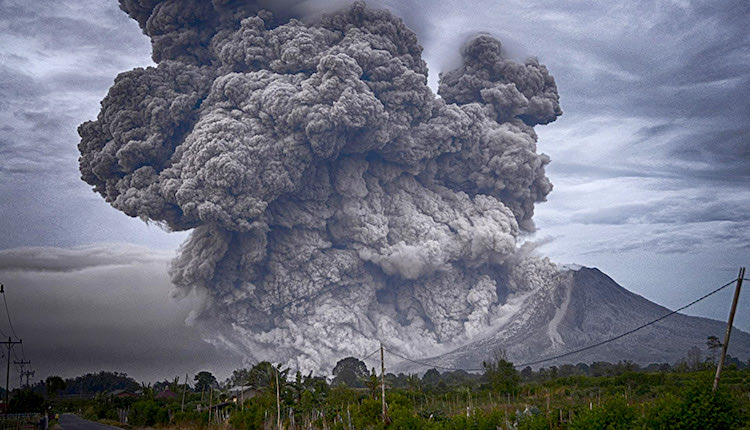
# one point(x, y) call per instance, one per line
point(431, 365)
point(2, 290)
point(612, 339)
point(12, 329)
point(7, 312)
point(370, 354)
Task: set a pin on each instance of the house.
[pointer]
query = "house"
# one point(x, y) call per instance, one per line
point(166, 394)
point(240, 394)
point(123, 394)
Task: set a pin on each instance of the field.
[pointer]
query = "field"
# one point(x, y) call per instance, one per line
point(596, 396)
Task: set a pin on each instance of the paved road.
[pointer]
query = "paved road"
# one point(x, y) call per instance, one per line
point(72, 422)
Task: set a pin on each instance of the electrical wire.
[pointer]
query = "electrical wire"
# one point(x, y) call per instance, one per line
point(431, 365)
point(7, 312)
point(371, 354)
point(12, 329)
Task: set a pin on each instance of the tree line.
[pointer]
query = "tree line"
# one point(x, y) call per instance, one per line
point(596, 395)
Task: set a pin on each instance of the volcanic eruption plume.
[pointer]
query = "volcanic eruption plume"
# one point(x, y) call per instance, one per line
point(334, 200)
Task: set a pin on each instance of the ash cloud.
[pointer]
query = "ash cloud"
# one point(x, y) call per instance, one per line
point(334, 199)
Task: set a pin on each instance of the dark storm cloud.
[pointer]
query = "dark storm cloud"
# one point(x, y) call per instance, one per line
point(103, 307)
point(52, 259)
point(679, 62)
point(60, 25)
point(56, 63)
point(705, 208)
point(586, 170)
point(675, 239)
point(726, 150)
point(16, 86)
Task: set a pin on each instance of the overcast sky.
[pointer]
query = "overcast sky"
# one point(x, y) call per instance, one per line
point(650, 163)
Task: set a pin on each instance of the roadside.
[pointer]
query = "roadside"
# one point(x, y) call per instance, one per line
point(73, 422)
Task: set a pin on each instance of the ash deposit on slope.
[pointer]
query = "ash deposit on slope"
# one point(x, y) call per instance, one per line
point(334, 200)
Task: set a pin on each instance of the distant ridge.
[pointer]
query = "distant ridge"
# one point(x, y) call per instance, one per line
point(585, 306)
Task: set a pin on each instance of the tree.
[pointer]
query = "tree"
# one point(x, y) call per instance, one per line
point(351, 372)
point(431, 378)
point(502, 375)
point(601, 368)
point(713, 345)
point(204, 380)
point(26, 401)
point(553, 372)
point(413, 382)
point(373, 384)
point(240, 377)
point(263, 376)
point(527, 373)
point(694, 358)
point(54, 384)
point(100, 382)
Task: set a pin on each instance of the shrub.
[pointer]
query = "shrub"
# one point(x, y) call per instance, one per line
point(148, 413)
point(697, 408)
point(613, 415)
point(253, 413)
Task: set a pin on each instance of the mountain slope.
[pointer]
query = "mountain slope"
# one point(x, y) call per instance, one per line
point(583, 307)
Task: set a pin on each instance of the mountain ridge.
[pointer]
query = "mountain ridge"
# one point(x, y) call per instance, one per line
point(582, 307)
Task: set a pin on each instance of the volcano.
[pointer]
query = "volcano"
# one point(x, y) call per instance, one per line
point(581, 307)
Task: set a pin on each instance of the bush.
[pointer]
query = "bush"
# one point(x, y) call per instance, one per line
point(697, 408)
point(613, 415)
point(253, 413)
point(147, 413)
point(533, 422)
point(369, 414)
point(190, 417)
point(26, 401)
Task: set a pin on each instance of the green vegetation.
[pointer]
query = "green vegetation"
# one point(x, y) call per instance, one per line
point(596, 396)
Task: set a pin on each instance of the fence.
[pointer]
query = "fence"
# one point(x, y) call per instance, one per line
point(23, 421)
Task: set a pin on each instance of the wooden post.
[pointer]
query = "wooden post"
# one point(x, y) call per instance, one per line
point(382, 380)
point(210, 400)
point(10, 343)
point(278, 402)
point(184, 390)
point(729, 327)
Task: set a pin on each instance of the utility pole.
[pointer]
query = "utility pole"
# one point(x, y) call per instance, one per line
point(22, 373)
point(10, 344)
point(382, 380)
point(278, 401)
point(210, 400)
point(28, 373)
point(184, 390)
point(729, 327)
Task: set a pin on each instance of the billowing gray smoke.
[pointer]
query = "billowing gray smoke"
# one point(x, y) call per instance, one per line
point(334, 200)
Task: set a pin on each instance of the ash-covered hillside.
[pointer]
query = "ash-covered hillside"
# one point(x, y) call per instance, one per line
point(577, 308)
